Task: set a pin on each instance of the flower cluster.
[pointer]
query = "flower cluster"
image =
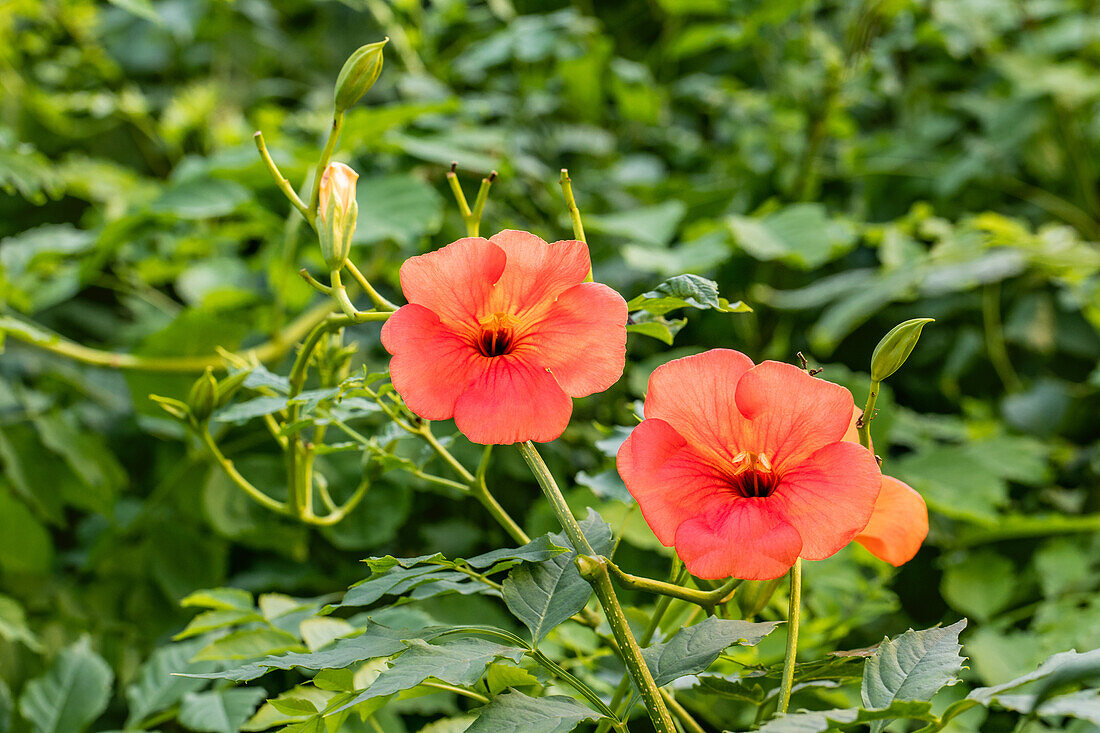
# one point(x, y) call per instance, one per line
point(742, 467)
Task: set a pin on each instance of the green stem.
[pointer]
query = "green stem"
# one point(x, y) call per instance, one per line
point(322, 163)
point(480, 490)
point(995, 338)
point(41, 338)
point(280, 180)
point(707, 599)
point(863, 424)
point(793, 614)
point(558, 671)
point(231, 471)
point(571, 204)
point(678, 576)
point(375, 297)
point(456, 690)
point(689, 723)
point(471, 217)
point(594, 569)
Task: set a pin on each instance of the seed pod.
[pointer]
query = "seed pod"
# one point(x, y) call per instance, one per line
point(360, 72)
point(203, 398)
point(895, 348)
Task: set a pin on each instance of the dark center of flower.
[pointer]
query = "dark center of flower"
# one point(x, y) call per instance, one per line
point(753, 476)
point(497, 335)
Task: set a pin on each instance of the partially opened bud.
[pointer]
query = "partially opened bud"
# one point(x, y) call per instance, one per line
point(360, 72)
point(896, 347)
point(338, 212)
point(203, 398)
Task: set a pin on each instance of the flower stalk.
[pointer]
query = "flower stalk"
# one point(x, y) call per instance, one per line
point(594, 569)
point(794, 611)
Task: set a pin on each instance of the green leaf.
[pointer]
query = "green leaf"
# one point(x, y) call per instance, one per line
point(248, 644)
point(684, 291)
point(13, 624)
point(694, 648)
point(657, 327)
point(157, 685)
point(652, 225)
point(221, 599)
point(201, 198)
point(820, 721)
point(219, 711)
point(543, 595)
point(514, 712)
point(377, 641)
point(398, 207)
point(458, 662)
point(913, 666)
point(979, 583)
point(7, 707)
point(801, 235)
point(71, 694)
point(25, 545)
point(140, 8)
point(1065, 666)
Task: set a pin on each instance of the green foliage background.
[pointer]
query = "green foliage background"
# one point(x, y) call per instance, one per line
point(839, 166)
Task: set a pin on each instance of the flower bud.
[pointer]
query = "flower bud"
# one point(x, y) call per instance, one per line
point(229, 386)
point(895, 348)
point(338, 211)
point(203, 398)
point(360, 72)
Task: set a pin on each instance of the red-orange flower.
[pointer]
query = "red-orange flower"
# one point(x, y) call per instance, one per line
point(744, 468)
point(501, 333)
point(899, 522)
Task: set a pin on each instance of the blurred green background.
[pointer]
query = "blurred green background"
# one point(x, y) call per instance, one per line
point(839, 166)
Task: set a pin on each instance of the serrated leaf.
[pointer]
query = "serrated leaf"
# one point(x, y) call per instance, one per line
point(694, 648)
point(1059, 666)
point(684, 291)
point(242, 412)
point(543, 595)
point(227, 599)
point(819, 721)
point(71, 694)
point(219, 711)
point(213, 620)
point(458, 662)
point(514, 712)
point(247, 644)
point(913, 666)
point(157, 686)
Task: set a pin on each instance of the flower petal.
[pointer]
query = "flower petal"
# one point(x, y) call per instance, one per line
point(536, 272)
point(898, 525)
point(456, 281)
point(745, 538)
point(695, 395)
point(582, 339)
point(432, 364)
point(829, 497)
point(670, 481)
point(792, 414)
point(512, 401)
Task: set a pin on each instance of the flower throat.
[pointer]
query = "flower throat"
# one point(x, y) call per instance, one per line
point(497, 335)
point(754, 478)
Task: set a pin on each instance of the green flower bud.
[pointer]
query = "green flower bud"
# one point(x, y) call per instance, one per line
point(338, 212)
point(175, 408)
point(228, 386)
point(360, 72)
point(203, 398)
point(895, 348)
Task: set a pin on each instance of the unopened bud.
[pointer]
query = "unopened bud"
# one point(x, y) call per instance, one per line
point(338, 211)
point(203, 398)
point(360, 72)
point(229, 386)
point(895, 348)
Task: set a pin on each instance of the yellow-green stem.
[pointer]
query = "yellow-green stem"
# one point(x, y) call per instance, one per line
point(594, 569)
point(280, 180)
point(863, 425)
point(322, 163)
point(571, 204)
point(242, 483)
point(793, 613)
